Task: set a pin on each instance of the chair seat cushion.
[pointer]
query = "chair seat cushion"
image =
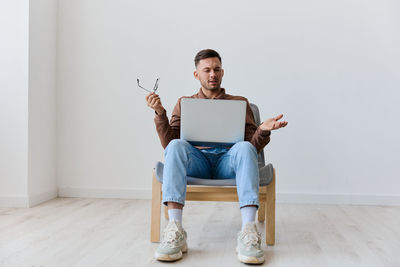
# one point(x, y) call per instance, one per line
point(266, 174)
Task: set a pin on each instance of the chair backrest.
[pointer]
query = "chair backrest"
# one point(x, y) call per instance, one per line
point(256, 113)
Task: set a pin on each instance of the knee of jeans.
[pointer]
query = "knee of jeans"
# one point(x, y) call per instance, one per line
point(245, 147)
point(177, 145)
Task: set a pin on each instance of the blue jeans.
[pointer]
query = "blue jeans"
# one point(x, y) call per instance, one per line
point(182, 160)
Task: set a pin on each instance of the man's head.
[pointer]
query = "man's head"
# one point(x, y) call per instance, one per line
point(209, 69)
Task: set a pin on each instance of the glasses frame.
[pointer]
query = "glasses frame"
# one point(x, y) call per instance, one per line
point(155, 88)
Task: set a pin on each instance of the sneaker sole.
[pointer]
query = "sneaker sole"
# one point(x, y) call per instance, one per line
point(250, 260)
point(171, 257)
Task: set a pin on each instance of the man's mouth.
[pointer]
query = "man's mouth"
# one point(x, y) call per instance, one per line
point(213, 82)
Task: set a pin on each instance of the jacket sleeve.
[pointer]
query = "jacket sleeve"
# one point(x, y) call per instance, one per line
point(253, 133)
point(169, 131)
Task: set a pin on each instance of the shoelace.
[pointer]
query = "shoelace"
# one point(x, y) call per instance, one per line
point(170, 237)
point(251, 238)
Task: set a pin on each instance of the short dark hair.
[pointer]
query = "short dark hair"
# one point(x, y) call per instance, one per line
point(206, 53)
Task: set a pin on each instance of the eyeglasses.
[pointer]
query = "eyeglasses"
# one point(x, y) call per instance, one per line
point(155, 86)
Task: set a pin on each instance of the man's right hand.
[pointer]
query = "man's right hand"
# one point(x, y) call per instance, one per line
point(154, 102)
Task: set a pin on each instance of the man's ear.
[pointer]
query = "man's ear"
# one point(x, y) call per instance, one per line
point(196, 75)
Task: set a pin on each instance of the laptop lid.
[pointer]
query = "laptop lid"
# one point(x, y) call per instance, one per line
point(214, 122)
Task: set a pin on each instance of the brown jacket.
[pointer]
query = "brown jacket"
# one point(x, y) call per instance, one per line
point(169, 131)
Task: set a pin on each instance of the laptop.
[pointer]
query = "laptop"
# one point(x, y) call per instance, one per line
point(212, 122)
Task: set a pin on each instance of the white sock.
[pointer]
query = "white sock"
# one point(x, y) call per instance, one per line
point(175, 214)
point(248, 215)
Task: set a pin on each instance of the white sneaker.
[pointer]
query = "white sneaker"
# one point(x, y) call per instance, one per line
point(249, 245)
point(173, 243)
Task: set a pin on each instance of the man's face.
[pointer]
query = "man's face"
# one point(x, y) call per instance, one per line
point(209, 72)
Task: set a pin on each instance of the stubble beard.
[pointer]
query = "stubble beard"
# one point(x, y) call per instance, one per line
point(211, 88)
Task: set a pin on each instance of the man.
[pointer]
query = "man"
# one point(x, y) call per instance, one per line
point(182, 159)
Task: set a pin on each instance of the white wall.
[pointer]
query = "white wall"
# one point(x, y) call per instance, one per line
point(330, 66)
point(27, 102)
point(14, 33)
point(42, 99)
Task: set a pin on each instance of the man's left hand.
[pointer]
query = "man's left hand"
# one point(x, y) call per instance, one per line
point(273, 123)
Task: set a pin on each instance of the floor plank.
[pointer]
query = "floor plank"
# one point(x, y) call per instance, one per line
point(112, 232)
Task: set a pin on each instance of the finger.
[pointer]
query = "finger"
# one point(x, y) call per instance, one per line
point(151, 97)
point(278, 117)
point(148, 99)
point(158, 103)
point(154, 100)
point(155, 96)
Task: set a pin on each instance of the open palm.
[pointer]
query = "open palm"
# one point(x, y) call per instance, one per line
point(273, 123)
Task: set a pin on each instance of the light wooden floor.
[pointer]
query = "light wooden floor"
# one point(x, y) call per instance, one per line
point(105, 232)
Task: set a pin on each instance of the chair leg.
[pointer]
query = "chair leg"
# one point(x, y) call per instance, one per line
point(261, 209)
point(166, 212)
point(270, 223)
point(155, 210)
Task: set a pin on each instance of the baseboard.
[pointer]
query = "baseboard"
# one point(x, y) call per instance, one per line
point(21, 201)
point(104, 193)
point(300, 198)
point(338, 199)
point(13, 201)
point(41, 197)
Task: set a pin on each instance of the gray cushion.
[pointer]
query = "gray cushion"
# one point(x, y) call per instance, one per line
point(266, 174)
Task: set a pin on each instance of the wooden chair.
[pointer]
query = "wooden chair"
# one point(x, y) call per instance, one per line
point(220, 190)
